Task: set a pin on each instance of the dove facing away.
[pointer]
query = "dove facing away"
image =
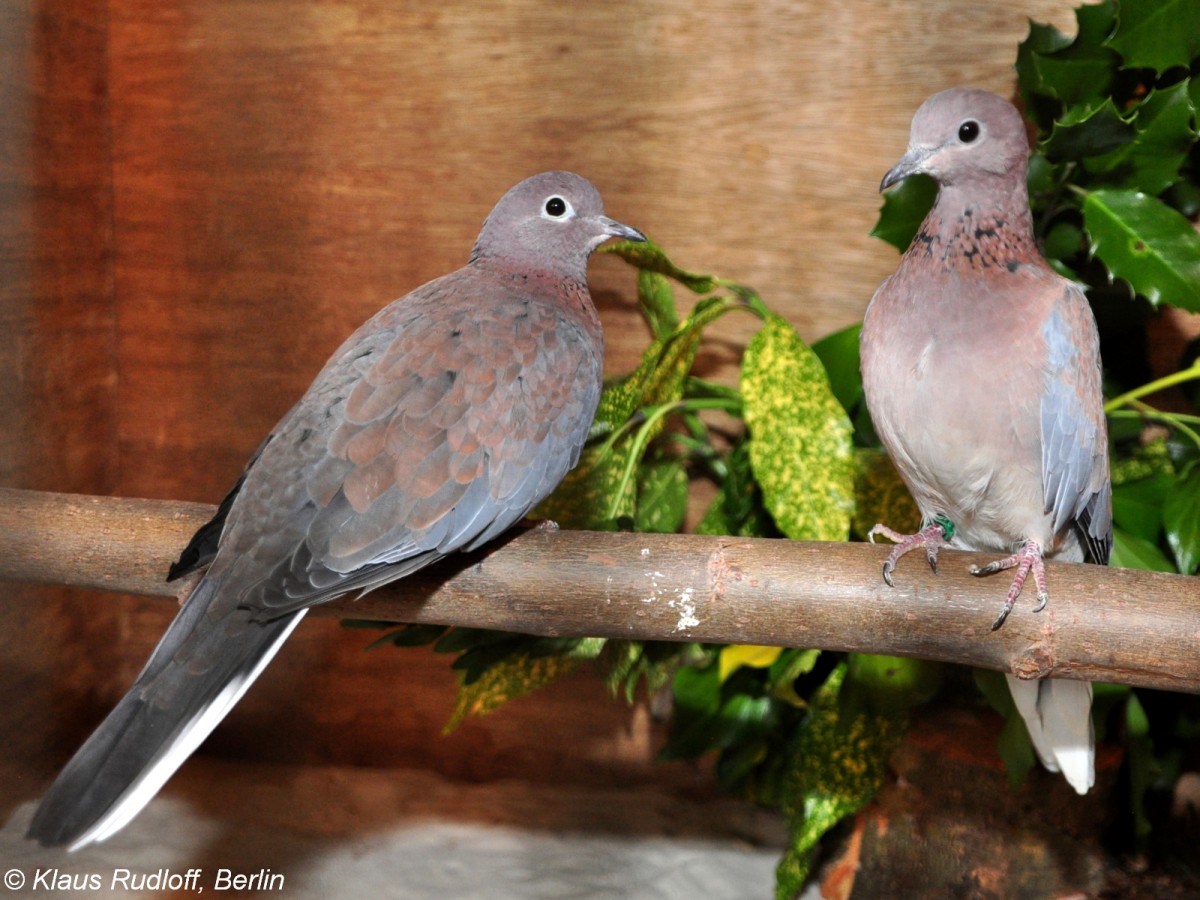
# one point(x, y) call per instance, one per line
point(981, 368)
point(435, 427)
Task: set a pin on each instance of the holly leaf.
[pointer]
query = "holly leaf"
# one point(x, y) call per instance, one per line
point(1151, 161)
point(1077, 71)
point(1087, 130)
point(799, 435)
point(1150, 245)
point(1157, 34)
point(838, 353)
point(904, 209)
point(1042, 42)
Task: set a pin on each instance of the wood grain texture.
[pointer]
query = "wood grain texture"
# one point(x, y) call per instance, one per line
point(57, 363)
point(282, 170)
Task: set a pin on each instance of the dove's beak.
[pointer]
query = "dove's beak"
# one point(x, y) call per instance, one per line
point(613, 228)
point(911, 163)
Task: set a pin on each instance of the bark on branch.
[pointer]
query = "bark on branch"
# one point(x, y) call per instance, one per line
point(1102, 624)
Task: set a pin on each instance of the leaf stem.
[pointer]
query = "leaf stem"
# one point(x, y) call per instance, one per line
point(1173, 420)
point(653, 415)
point(1191, 373)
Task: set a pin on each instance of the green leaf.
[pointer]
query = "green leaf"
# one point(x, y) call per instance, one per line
point(456, 640)
point(838, 353)
point(791, 664)
point(711, 714)
point(1181, 517)
point(738, 507)
point(1142, 240)
point(598, 495)
point(650, 257)
point(409, 636)
point(1042, 41)
point(1132, 552)
point(1157, 34)
point(1064, 241)
point(662, 497)
point(799, 436)
point(904, 209)
point(1151, 161)
point(838, 764)
point(657, 301)
point(669, 361)
point(655, 662)
point(1049, 64)
point(1085, 131)
point(595, 495)
point(1138, 505)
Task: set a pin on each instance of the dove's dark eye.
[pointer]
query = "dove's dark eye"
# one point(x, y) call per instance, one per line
point(968, 131)
point(556, 206)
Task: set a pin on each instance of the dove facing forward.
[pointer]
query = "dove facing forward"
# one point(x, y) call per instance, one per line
point(436, 426)
point(981, 368)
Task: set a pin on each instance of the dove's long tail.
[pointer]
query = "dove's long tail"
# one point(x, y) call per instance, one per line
point(1058, 714)
point(198, 671)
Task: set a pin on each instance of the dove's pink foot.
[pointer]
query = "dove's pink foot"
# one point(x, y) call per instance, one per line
point(932, 537)
point(1027, 559)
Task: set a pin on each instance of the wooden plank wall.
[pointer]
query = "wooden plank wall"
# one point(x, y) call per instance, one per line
point(274, 171)
point(57, 364)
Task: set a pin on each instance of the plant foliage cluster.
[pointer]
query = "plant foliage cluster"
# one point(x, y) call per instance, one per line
point(1115, 185)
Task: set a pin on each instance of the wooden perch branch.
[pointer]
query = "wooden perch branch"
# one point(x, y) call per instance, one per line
point(1102, 624)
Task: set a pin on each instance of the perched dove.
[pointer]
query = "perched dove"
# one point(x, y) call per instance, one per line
point(981, 368)
point(435, 427)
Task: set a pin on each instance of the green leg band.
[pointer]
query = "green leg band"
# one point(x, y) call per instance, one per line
point(947, 526)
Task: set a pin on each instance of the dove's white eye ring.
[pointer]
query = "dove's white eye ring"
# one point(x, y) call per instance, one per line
point(968, 131)
point(556, 208)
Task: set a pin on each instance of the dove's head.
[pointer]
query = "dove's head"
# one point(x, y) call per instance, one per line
point(552, 221)
point(964, 135)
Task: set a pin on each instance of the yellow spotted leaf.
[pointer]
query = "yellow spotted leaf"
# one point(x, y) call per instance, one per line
point(839, 764)
point(881, 496)
point(800, 447)
point(506, 680)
